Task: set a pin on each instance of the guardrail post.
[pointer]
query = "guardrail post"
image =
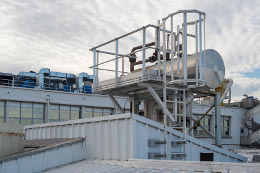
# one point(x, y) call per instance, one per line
point(144, 39)
point(158, 48)
point(94, 70)
point(200, 44)
point(185, 75)
point(116, 64)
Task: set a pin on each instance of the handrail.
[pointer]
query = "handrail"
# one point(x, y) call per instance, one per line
point(118, 38)
point(184, 11)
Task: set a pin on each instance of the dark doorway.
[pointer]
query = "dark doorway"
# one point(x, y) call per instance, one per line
point(206, 156)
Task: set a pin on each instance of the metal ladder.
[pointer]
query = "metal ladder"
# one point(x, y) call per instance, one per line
point(179, 102)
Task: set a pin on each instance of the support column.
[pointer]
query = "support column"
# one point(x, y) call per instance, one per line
point(6, 112)
point(217, 119)
point(82, 112)
point(47, 111)
point(135, 106)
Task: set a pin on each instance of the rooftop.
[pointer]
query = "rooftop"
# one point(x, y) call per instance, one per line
point(168, 166)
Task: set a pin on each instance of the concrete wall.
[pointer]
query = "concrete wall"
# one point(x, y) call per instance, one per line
point(83, 101)
point(58, 97)
point(237, 122)
point(123, 137)
point(11, 138)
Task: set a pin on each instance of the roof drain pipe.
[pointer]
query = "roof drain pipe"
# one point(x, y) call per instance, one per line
point(228, 89)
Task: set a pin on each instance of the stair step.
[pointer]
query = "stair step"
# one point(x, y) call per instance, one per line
point(177, 115)
point(177, 142)
point(178, 154)
point(177, 127)
point(172, 101)
point(178, 89)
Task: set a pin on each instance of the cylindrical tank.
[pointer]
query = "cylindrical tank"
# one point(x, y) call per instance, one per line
point(213, 69)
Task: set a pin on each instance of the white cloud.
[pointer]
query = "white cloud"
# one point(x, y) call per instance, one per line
point(57, 34)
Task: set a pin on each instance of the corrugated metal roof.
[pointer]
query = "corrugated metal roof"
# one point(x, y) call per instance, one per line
point(118, 167)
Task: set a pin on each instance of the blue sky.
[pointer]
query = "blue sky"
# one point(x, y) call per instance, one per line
point(252, 74)
point(57, 34)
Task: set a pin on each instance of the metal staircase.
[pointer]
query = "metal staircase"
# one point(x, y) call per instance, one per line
point(179, 101)
point(254, 136)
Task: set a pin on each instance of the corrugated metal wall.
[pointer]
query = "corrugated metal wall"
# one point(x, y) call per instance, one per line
point(107, 137)
point(123, 137)
point(40, 161)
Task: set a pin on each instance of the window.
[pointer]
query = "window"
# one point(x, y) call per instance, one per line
point(38, 113)
point(97, 112)
point(88, 112)
point(107, 111)
point(54, 113)
point(2, 111)
point(225, 125)
point(15, 112)
point(64, 113)
point(26, 113)
point(75, 111)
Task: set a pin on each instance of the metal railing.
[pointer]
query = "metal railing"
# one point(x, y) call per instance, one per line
point(45, 86)
point(178, 41)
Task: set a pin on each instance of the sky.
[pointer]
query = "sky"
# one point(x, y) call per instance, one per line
point(58, 34)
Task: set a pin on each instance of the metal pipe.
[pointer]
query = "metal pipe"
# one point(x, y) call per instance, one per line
point(204, 22)
point(178, 50)
point(190, 35)
point(112, 70)
point(141, 47)
point(200, 45)
point(94, 70)
point(217, 119)
point(158, 52)
point(230, 83)
point(185, 74)
point(184, 11)
point(97, 66)
point(164, 92)
point(118, 38)
point(196, 47)
point(116, 64)
point(111, 53)
point(123, 66)
point(164, 54)
point(158, 26)
point(144, 39)
point(172, 47)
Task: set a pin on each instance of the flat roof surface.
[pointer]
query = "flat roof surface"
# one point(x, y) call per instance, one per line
point(164, 166)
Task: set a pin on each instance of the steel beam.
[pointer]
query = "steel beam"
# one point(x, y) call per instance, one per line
point(116, 104)
point(160, 102)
